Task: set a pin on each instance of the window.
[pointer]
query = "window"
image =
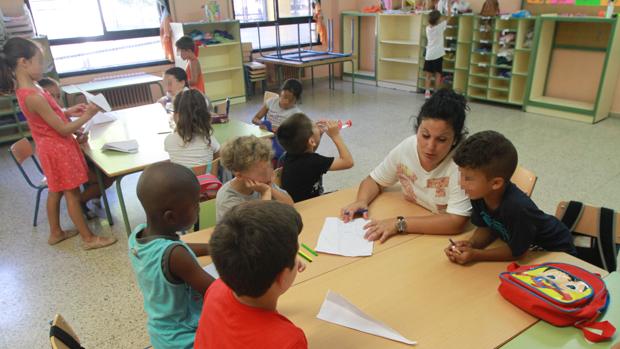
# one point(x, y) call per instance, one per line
point(98, 35)
point(294, 16)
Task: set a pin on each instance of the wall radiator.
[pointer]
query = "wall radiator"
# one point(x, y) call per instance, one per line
point(131, 96)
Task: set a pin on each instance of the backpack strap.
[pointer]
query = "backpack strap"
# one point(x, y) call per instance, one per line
point(64, 337)
point(572, 214)
point(606, 240)
point(605, 327)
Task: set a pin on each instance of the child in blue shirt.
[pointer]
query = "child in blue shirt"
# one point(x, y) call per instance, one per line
point(487, 161)
point(171, 280)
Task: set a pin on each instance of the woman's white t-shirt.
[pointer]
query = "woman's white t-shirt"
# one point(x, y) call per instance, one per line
point(197, 152)
point(438, 190)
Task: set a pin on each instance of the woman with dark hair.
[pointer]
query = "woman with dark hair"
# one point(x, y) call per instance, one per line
point(423, 165)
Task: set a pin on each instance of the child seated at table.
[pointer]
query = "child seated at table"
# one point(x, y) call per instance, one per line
point(91, 192)
point(175, 81)
point(277, 109)
point(171, 281)
point(188, 51)
point(302, 167)
point(192, 143)
point(248, 158)
point(257, 263)
point(486, 162)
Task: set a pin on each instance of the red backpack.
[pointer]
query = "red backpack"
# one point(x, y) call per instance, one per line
point(561, 294)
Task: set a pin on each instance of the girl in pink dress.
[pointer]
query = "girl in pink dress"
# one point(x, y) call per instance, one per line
point(21, 64)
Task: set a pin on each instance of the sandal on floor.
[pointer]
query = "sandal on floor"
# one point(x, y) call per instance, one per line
point(98, 242)
point(65, 235)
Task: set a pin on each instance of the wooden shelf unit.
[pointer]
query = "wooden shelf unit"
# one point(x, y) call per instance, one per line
point(221, 64)
point(362, 47)
point(399, 50)
point(556, 87)
point(488, 80)
point(11, 127)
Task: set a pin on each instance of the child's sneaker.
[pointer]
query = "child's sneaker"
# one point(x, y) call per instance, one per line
point(427, 94)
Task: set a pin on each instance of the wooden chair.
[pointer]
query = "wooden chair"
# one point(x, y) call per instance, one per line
point(524, 179)
point(277, 176)
point(62, 335)
point(206, 217)
point(588, 221)
point(269, 95)
point(20, 151)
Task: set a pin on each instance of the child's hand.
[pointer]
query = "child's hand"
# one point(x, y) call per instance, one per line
point(347, 213)
point(76, 110)
point(380, 230)
point(81, 137)
point(257, 186)
point(333, 129)
point(90, 111)
point(460, 255)
point(301, 266)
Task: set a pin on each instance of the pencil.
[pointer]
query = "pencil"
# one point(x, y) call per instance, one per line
point(305, 256)
point(309, 249)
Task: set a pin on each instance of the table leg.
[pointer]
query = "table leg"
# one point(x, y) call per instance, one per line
point(121, 200)
point(312, 74)
point(352, 80)
point(106, 205)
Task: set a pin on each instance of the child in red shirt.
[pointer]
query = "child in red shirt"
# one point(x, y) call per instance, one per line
point(257, 263)
point(189, 52)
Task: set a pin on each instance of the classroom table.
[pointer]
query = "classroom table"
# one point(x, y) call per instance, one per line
point(279, 63)
point(148, 125)
point(314, 211)
point(417, 291)
point(546, 336)
point(109, 84)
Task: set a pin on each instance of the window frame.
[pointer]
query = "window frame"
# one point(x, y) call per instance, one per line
point(107, 36)
point(281, 21)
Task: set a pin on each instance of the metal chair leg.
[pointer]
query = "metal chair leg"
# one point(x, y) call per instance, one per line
point(36, 207)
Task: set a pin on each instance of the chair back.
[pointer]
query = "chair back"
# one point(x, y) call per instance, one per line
point(588, 222)
point(524, 179)
point(21, 150)
point(62, 335)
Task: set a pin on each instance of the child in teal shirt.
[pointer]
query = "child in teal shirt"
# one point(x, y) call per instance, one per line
point(171, 280)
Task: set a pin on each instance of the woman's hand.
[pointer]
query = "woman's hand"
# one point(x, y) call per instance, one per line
point(380, 230)
point(348, 212)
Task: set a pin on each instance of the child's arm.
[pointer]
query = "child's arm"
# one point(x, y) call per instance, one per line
point(345, 159)
point(281, 196)
point(261, 114)
point(185, 267)
point(199, 249)
point(36, 103)
point(474, 250)
point(194, 66)
point(76, 110)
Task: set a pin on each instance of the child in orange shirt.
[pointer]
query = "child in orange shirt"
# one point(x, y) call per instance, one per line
point(189, 52)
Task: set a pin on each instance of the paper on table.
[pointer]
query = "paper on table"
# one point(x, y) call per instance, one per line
point(210, 269)
point(129, 146)
point(99, 118)
point(345, 239)
point(337, 310)
point(98, 99)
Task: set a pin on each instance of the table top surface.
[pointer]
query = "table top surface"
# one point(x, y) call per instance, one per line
point(298, 64)
point(544, 335)
point(148, 125)
point(314, 212)
point(107, 84)
point(417, 291)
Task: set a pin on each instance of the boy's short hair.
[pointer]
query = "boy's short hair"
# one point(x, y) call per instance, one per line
point(253, 243)
point(185, 43)
point(294, 86)
point(178, 73)
point(243, 152)
point(165, 185)
point(489, 152)
point(433, 17)
point(47, 82)
point(294, 132)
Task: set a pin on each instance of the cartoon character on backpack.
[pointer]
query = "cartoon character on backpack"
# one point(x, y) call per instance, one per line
point(555, 283)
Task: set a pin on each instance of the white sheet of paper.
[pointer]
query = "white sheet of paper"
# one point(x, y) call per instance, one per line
point(98, 99)
point(210, 269)
point(128, 146)
point(345, 239)
point(98, 119)
point(337, 310)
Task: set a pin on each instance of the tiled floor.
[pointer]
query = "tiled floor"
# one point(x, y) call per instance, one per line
point(96, 290)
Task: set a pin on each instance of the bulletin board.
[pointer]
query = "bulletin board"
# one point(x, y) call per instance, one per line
point(585, 7)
